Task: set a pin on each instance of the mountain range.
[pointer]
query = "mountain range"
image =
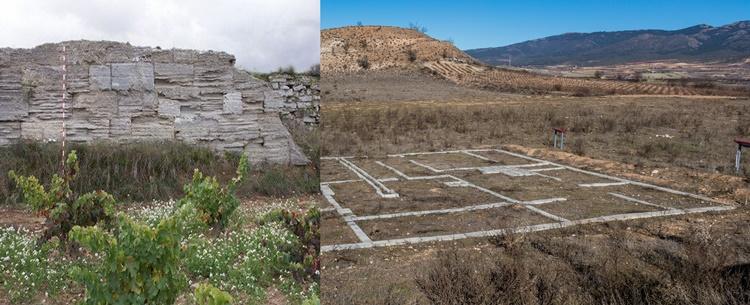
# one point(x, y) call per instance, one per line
point(700, 43)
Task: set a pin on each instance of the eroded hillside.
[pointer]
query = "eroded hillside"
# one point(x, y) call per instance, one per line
point(381, 47)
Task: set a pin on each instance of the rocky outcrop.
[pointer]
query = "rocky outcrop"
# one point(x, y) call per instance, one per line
point(118, 92)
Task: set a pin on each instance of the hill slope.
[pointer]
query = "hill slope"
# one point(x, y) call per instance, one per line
point(697, 43)
point(382, 47)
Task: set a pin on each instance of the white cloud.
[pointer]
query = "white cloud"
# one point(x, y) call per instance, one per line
point(262, 34)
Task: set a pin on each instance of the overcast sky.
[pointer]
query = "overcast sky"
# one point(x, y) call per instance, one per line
point(262, 34)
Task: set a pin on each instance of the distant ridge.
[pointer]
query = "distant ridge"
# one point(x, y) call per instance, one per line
point(728, 43)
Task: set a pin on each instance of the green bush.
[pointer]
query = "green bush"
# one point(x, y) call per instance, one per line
point(140, 264)
point(217, 203)
point(205, 294)
point(307, 229)
point(60, 204)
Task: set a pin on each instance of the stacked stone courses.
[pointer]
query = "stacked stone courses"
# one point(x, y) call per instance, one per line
point(122, 93)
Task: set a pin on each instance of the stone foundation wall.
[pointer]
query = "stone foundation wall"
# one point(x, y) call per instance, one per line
point(118, 92)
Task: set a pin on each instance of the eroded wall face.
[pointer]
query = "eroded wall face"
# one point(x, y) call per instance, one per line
point(118, 92)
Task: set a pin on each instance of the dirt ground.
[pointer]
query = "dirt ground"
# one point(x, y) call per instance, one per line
point(379, 276)
point(680, 142)
point(396, 86)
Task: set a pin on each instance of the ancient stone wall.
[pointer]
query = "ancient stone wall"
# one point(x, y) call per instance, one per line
point(118, 92)
point(295, 97)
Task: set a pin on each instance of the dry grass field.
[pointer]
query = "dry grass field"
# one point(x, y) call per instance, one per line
point(647, 132)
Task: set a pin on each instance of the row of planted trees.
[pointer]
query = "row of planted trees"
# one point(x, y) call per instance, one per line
point(137, 262)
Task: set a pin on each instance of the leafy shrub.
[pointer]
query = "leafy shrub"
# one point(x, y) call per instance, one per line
point(140, 264)
point(307, 229)
point(60, 205)
point(205, 294)
point(411, 54)
point(217, 203)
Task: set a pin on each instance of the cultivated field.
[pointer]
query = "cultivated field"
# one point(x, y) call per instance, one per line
point(522, 81)
point(732, 73)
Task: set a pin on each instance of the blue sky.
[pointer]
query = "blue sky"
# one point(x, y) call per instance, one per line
point(475, 24)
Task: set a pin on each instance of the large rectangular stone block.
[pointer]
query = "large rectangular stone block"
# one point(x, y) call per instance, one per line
point(77, 77)
point(9, 132)
point(41, 130)
point(233, 103)
point(137, 103)
point(119, 127)
point(178, 92)
point(151, 128)
point(99, 104)
point(12, 107)
point(100, 77)
point(243, 127)
point(86, 129)
point(169, 108)
point(196, 129)
point(133, 76)
point(174, 73)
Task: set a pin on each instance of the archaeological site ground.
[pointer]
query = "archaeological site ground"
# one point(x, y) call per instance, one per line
point(442, 185)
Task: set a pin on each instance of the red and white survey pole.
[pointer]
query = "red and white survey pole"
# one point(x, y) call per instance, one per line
point(62, 102)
